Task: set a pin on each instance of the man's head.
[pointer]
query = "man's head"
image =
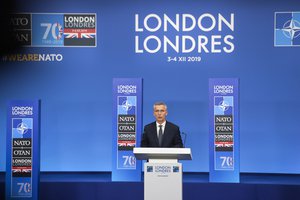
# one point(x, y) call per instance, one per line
point(160, 112)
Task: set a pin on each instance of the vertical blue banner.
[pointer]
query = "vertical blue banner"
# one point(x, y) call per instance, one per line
point(127, 128)
point(224, 146)
point(23, 150)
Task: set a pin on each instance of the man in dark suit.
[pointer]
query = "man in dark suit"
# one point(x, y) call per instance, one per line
point(161, 133)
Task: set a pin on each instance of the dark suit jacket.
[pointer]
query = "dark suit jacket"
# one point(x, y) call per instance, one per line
point(171, 136)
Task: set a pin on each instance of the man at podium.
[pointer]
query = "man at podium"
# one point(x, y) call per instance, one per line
point(161, 133)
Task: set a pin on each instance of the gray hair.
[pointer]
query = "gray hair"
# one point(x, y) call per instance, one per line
point(160, 103)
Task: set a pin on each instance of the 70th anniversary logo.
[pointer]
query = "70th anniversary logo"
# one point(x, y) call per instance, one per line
point(54, 29)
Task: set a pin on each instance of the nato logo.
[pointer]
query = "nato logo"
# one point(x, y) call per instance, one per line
point(22, 127)
point(126, 105)
point(175, 169)
point(287, 29)
point(223, 105)
point(149, 168)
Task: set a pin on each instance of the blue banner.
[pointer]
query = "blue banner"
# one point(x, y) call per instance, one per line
point(23, 150)
point(127, 128)
point(224, 148)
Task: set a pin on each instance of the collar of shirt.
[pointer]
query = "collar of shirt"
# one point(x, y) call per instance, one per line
point(163, 127)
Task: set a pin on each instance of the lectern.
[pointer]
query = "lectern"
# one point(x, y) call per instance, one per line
point(162, 172)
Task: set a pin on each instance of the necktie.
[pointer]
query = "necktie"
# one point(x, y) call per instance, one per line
point(160, 135)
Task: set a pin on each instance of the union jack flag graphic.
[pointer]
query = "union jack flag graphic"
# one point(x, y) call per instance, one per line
point(80, 33)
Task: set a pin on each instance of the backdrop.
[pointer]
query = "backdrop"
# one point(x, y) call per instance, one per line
point(175, 46)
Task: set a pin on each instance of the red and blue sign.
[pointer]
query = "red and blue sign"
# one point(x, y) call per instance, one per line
point(224, 130)
point(23, 150)
point(127, 128)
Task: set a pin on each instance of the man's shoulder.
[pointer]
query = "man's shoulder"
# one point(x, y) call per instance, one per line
point(172, 125)
point(150, 125)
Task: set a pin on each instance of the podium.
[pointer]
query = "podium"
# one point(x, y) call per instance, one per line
point(162, 172)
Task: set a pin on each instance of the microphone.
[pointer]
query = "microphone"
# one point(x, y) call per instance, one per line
point(184, 138)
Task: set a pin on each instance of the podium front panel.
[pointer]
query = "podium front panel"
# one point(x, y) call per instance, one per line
point(163, 181)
